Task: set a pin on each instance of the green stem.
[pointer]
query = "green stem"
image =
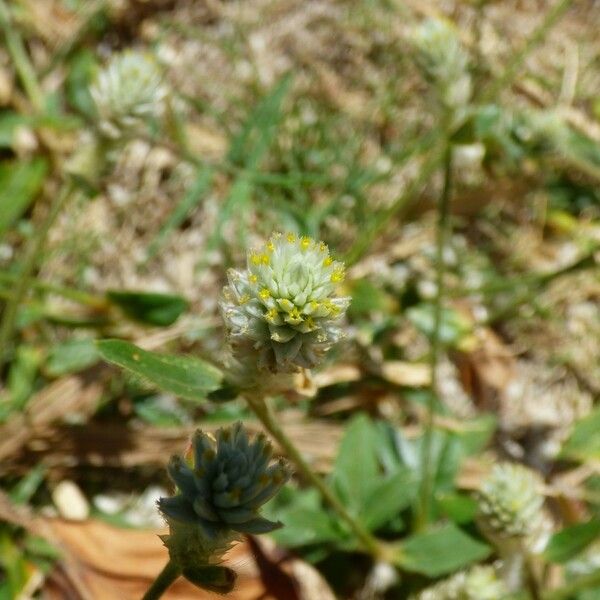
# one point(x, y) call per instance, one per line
point(531, 580)
point(23, 65)
point(164, 580)
point(443, 233)
point(263, 410)
point(569, 590)
point(511, 70)
point(22, 285)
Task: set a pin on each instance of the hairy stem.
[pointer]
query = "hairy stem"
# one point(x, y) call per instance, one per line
point(531, 580)
point(22, 285)
point(443, 233)
point(263, 410)
point(164, 580)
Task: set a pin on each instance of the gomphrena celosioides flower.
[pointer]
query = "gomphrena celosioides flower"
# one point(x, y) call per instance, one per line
point(511, 502)
point(128, 92)
point(225, 487)
point(443, 61)
point(281, 313)
point(481, 582)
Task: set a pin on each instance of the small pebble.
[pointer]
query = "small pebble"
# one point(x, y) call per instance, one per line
point(70, 501)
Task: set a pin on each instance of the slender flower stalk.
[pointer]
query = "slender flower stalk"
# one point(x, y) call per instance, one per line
point(264, 412)
point(165, 579)
point(282, 315)
point(443, 234)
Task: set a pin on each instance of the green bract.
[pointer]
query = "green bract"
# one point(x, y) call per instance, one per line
point(510, 501)
point(223, 490)
point(281, 312)
point(128, 92)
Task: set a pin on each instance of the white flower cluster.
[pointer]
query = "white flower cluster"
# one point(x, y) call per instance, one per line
point(443, 61)
point(281, 312)
point(479, 583)
point(511, 502)
point(128, 92)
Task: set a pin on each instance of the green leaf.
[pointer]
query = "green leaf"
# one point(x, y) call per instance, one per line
point(458, 507)
point(20, 182)
point(584, 441)
point(22, 374)
point(71, 356)
point(184, 376)
point(305, 526)
point(305, 520)
point(356, 468)
point(570, 541)
point(154, 411)
point(82, 67)
point(150, 308)
point(24, 490)
point(440, 551)
point(388, 497)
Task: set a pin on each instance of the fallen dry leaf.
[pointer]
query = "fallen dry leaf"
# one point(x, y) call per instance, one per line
point(403, 373)
point(110, 563)
point(103, 562)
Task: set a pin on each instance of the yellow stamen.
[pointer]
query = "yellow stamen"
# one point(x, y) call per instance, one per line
point(265, 259)
point(328, 261)
point(253, 278)
point(270, 246)
point(264, 293)
point(305, 242)
point(291, 238)
point(322, 247)
point(271, 314)
point(244, 298)
point(255, 259)
point(337, 275)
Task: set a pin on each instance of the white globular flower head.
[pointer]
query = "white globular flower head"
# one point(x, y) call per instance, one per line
point(127, 93)
point(481, 582)
point(511, 502)
point(281, 313)
point(443, 61)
